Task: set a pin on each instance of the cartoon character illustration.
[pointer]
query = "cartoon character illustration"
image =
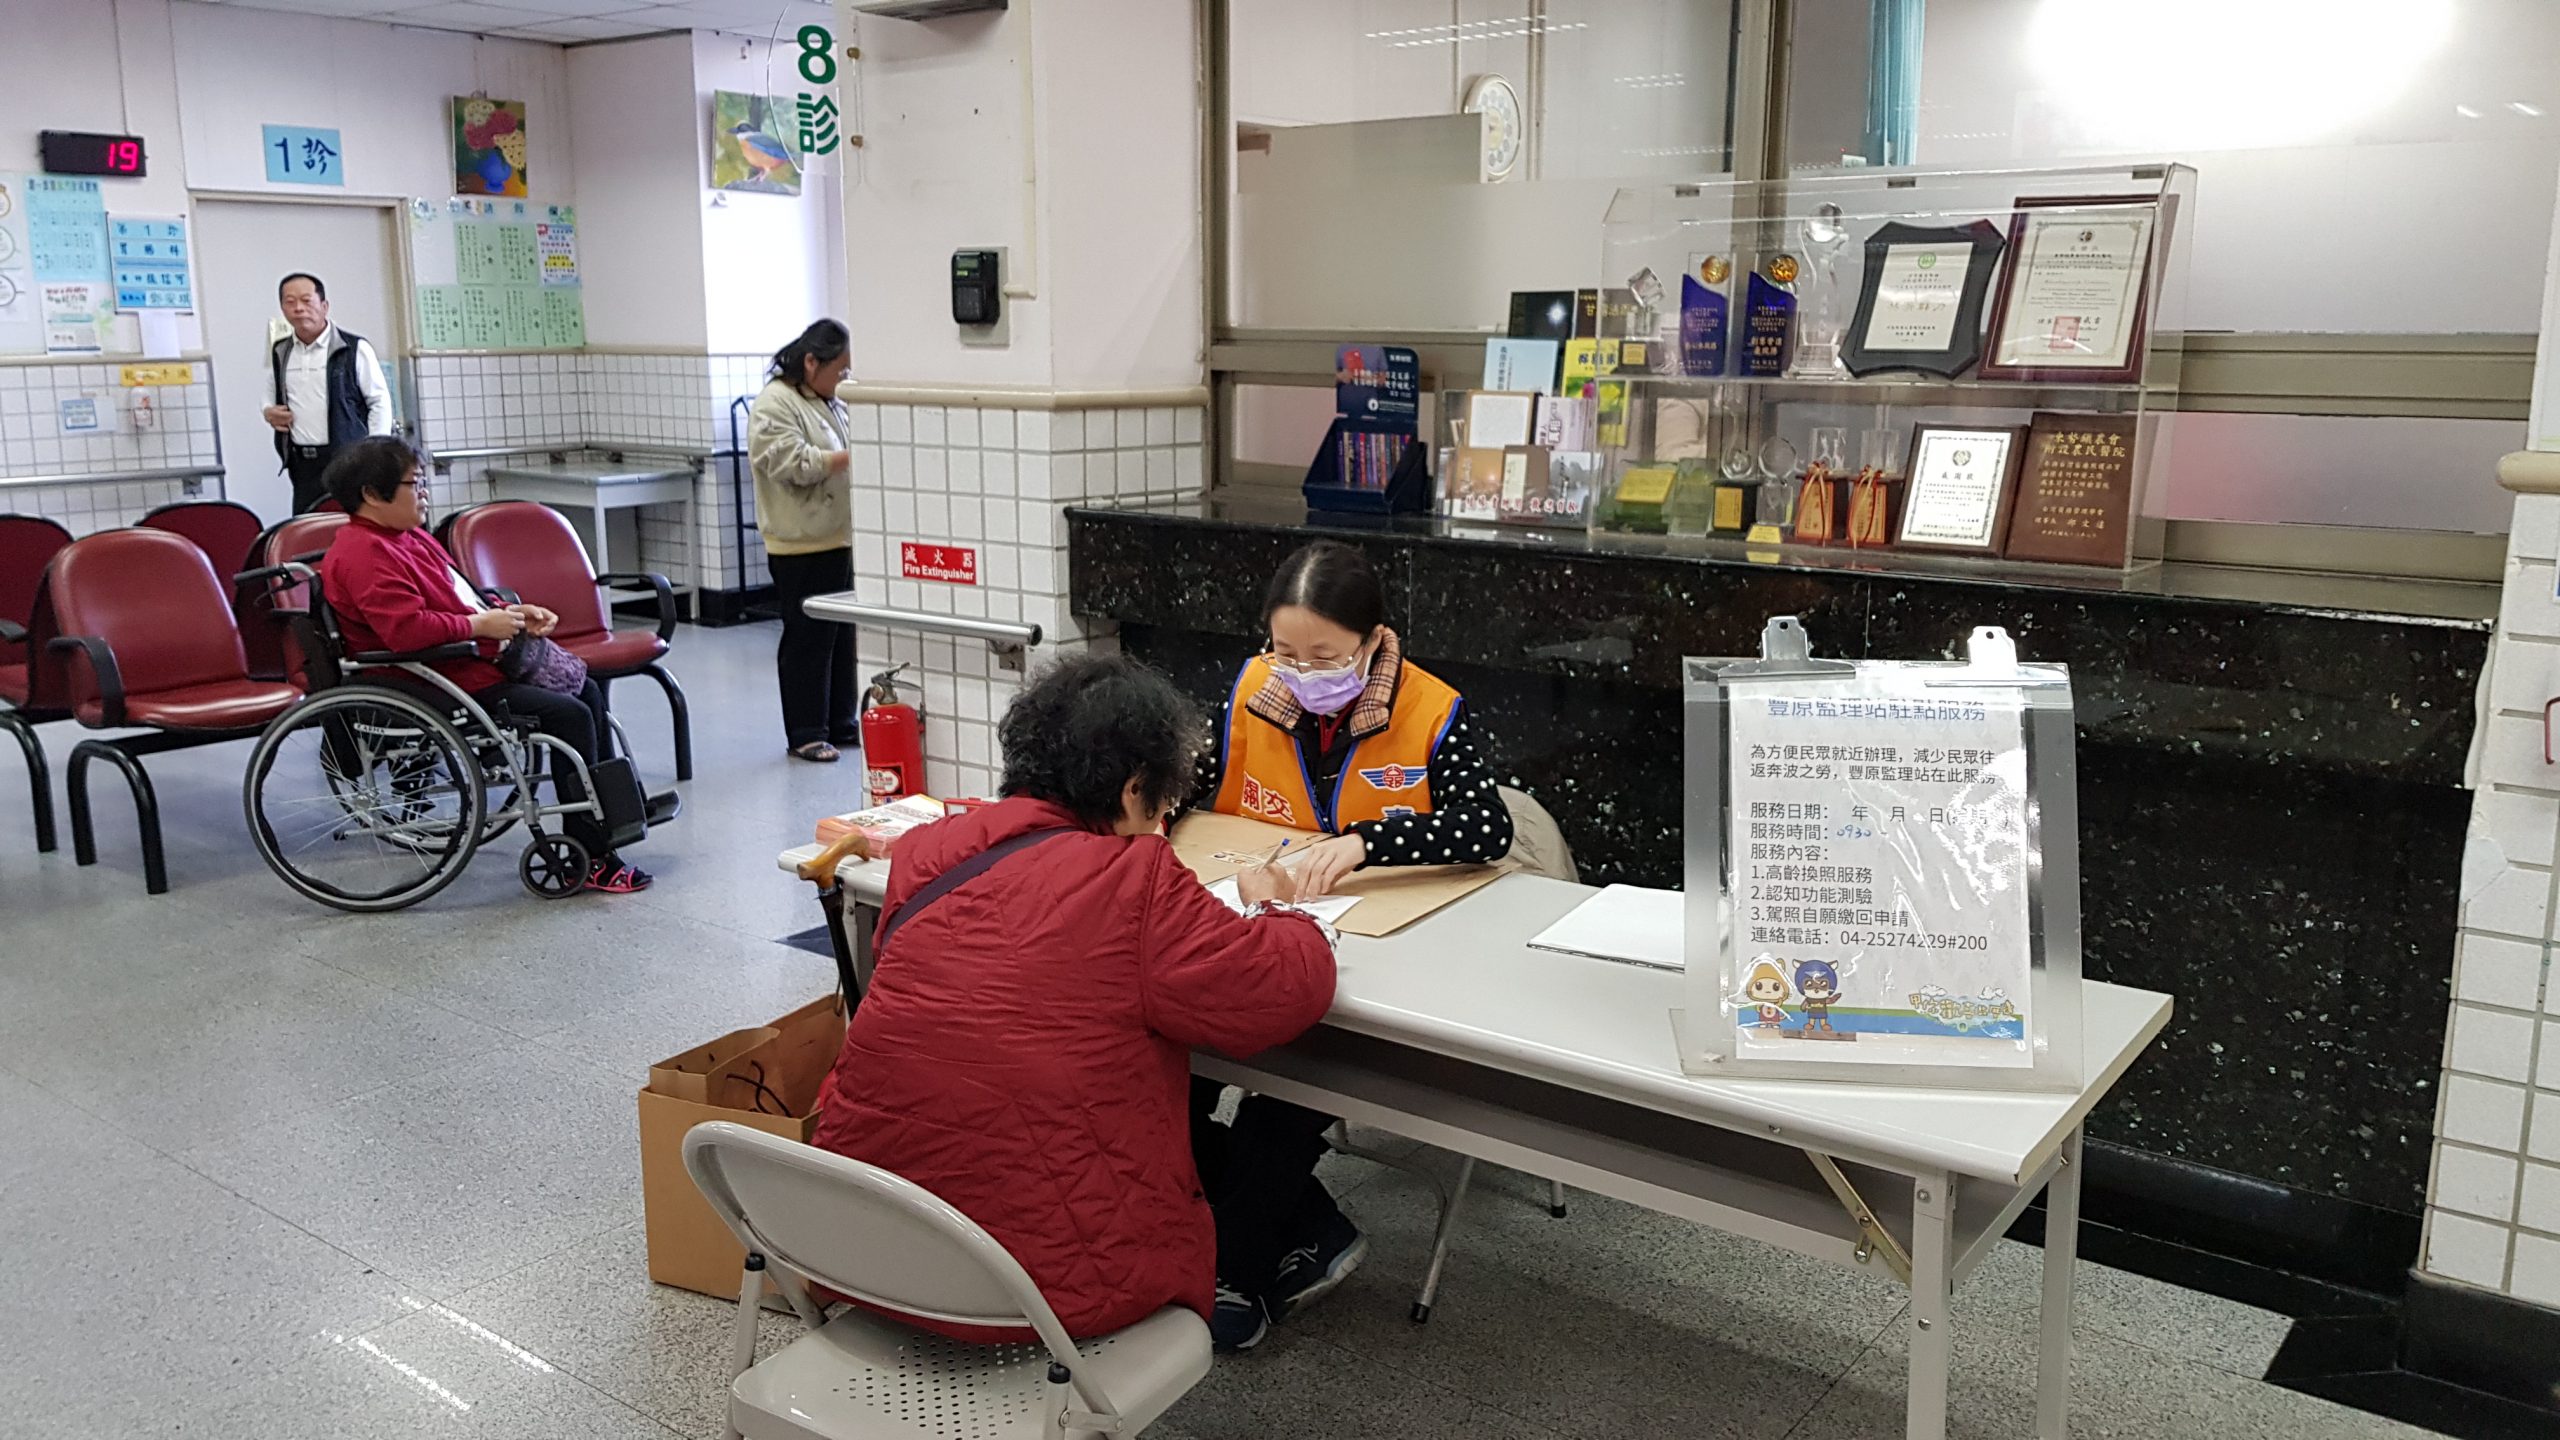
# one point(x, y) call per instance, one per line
point(1765, 988)
point(1819, 985)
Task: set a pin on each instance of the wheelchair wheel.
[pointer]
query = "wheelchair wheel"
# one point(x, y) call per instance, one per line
point(554, 867)
point(364, 799)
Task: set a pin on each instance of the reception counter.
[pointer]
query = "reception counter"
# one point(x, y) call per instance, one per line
point(2270, 795)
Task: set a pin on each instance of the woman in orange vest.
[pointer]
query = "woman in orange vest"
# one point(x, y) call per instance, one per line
point(1332, 731)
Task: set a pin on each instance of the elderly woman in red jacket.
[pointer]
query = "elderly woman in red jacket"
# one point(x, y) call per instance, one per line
point(1024, 1049)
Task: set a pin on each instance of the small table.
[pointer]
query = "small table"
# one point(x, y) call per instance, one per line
point(589, 491)
point(1454, 1032)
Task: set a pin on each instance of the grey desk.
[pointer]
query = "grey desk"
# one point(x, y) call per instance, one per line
point(1454, 1032)
point(592, 491)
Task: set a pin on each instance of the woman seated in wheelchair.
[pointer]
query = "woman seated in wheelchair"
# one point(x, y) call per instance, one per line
point(392, 587)
point(1045, 968)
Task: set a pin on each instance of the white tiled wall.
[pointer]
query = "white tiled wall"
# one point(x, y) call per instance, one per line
point(667, 403)
point(998, 481)
point(181, 433)
point(2493, 1217)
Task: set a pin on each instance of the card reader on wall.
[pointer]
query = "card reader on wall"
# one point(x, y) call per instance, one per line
point(977, 287)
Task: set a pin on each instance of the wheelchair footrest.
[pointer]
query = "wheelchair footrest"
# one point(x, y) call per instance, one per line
point(625, 818)
point(663, 806)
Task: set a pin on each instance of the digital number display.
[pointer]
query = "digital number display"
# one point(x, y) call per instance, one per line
point(75, 152)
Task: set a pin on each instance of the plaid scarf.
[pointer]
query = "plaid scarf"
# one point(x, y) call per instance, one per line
point(1368, 714)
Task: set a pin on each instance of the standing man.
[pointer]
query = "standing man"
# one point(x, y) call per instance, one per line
point(329, 391)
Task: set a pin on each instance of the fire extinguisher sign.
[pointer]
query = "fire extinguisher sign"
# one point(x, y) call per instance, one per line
point(950, 564)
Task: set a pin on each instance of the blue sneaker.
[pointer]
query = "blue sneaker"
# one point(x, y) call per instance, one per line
point(1238, 1321)
point(1309, 1273)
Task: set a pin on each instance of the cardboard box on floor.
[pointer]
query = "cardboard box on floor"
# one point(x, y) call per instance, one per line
point(1391, 897)
point(767, 1077)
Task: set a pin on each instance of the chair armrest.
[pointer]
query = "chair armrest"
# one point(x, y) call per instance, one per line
point(458, 650)
point(102, 669)
point(11, 632)
point(657, 582)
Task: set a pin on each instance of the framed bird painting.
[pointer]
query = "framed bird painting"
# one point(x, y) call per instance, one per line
point(751, 148)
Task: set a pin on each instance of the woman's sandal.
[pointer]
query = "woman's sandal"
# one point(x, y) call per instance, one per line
point(817, 750)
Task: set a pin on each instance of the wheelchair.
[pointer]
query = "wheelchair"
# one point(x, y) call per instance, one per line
point(375, 790)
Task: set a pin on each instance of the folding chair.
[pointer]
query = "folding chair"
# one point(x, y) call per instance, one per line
point(805, 1214)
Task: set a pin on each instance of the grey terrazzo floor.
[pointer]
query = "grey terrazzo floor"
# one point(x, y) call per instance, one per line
point(276, 1172)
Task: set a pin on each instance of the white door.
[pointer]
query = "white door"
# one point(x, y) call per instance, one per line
point(244, 249)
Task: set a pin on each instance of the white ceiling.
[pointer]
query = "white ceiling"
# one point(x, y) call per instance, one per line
point(569, 21)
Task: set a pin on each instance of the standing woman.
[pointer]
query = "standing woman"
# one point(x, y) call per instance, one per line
point(1332, 731)
point(796, 447)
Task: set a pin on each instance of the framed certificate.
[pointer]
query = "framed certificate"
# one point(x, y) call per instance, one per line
point(2073, 307)
point(1961, 480)
point(1920, 302)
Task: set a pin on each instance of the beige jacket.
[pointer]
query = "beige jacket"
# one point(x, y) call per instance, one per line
point(803, 504)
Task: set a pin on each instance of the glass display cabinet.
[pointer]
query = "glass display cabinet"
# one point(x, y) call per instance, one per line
point(1949, 370)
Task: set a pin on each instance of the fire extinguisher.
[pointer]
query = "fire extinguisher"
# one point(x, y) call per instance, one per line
point(892, 741)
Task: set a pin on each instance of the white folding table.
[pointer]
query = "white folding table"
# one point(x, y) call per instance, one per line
point(1455, 1033)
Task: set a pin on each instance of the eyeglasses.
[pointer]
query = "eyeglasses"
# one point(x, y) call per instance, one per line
point(1311, 664)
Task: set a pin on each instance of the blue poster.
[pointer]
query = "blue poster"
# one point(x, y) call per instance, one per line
point(300, 155)
point(153, 270)
point(66, 228)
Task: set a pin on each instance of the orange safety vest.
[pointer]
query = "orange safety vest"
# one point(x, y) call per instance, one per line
point(1386, 773)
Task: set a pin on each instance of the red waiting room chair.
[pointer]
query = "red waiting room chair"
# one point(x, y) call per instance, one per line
point(146, 640)
point(267, 612)
point(28, 544)
point(530, 551)
point(223, 529)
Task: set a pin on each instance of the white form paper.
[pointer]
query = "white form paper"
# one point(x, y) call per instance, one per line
point(1330, 909)
point(1627, 923)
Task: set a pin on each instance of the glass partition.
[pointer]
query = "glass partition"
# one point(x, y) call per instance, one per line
point(1405, 166)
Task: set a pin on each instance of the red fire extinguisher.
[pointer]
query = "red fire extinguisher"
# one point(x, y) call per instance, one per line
point(892, 741)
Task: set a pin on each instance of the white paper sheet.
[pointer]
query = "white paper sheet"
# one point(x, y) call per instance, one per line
point(1623, 922)
point(1330, 909)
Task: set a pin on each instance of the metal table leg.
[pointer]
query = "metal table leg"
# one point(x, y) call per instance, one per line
point(1440, 1240)
point(1932, 1340)
point(2061, 1254)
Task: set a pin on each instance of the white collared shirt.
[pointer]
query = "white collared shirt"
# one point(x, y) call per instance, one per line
point(306, 388)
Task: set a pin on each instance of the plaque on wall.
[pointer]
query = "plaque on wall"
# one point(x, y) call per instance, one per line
point(2073, 306)
point(2075, 490)
point(1960, 485)
point(1920, 303)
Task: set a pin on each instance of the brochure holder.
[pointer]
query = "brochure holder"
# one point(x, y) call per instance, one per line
point(1883, 873)
point(1406, 492)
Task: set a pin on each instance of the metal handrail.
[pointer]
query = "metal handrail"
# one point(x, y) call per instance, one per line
point(115, 477)
point(1005, 637)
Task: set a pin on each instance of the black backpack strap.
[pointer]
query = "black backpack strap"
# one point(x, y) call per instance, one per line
point(955, 877)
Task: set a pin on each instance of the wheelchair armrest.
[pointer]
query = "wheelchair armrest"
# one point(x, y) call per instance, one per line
point(657, 582)
point(11, 632)
point(458, 650)
point(273, 577)
point(103, 669)
point(501, 595)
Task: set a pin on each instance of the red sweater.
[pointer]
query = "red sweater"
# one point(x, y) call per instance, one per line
point(393, 590)
point(1024, 1053)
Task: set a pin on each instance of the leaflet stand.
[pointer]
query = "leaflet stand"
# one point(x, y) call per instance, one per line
point(1882, 859)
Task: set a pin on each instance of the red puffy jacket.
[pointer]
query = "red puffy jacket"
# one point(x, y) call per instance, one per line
point(1024, 1052)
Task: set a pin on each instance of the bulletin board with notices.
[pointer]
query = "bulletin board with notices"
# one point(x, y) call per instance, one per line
point(496, 275)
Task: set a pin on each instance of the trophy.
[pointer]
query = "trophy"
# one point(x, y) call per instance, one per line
point(1777, 501)
point(1817, 354)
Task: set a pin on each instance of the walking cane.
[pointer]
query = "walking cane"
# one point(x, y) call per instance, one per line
point(820, 870)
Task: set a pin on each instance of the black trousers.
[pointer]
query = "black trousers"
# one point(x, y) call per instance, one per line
point(820, 692)
point(1259, 1174)
point(575, 720)
point(306, 464)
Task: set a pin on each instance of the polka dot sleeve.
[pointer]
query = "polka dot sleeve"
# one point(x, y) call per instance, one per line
point(1468, 823)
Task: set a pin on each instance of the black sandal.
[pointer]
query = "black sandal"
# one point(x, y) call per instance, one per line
point(817, 750)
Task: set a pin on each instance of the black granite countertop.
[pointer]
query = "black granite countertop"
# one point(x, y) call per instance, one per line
point(2363, 675)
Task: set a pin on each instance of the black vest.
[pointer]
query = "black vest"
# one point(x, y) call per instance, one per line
point(348, 419)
